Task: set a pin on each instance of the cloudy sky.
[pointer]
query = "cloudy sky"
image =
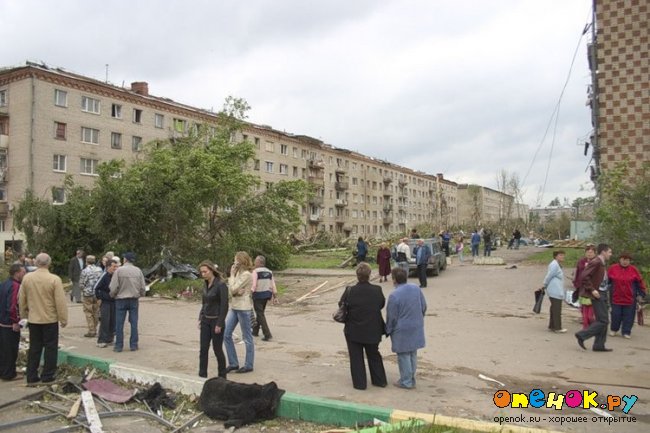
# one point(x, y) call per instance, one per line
point(464, 87)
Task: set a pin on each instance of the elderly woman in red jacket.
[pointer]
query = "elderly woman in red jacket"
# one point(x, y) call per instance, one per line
point(627, 285)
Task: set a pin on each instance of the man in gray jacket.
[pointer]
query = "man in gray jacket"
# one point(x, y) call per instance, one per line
point(127, 285)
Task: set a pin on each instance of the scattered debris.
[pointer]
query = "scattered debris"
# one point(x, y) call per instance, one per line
point(91, 412)
point(311, 292)
point(489, 379)
point(156, 397)
point(511, 267)
point(109, 391)
point(489, 261)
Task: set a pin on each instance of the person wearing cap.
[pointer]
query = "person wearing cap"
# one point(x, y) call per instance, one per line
point(627, 286)
point(127, 285)
point(87, 281)
point(212, 318)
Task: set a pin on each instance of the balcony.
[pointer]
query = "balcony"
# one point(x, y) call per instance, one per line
point(387, 220)
point(4, 141)
point(315, 218)
point(388, 208)
point(387, 179)
point(316, 201)
point(402, 183)
point(316, 180)
point(341, 202)
point(401, 208)
point(4, 209)
point(340, 169)
point(341, 186)
point(347, 228)
point(317, 164)
point(388, 193)
point(340, 219)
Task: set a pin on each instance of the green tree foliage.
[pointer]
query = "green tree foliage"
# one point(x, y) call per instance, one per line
point(623, 213)
point(189, 196)
point(555, 202)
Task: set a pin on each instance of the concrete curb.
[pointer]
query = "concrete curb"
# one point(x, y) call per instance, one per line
point(295, 406)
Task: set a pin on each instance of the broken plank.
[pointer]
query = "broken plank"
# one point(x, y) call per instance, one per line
point(91, 412)
point(309, 293)
point(74, 410)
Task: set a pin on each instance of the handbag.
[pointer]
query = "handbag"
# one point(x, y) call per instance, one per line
point(539, 297)
point(341, 315)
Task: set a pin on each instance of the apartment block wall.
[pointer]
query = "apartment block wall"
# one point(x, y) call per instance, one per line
point(356, 195)
point(623, 82)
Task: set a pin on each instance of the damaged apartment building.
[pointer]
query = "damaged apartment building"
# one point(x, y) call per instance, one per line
point(55, 123)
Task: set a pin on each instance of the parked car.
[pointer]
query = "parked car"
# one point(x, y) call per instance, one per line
point(437, 261)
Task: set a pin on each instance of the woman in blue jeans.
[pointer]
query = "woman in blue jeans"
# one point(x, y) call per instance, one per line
point(240, 285)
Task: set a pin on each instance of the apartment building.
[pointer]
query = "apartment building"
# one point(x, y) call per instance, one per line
point(54, 123)
point(619, 59)
point(480, 206)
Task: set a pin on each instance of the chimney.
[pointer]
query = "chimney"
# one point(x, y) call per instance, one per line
point(140, 87)
point(439, 176)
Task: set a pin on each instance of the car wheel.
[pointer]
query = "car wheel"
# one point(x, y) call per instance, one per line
point(436, 270)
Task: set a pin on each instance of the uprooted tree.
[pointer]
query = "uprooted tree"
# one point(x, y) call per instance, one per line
point(191, 196)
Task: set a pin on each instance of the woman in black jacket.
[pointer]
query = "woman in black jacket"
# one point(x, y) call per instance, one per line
point(364, 328)
point(212, 318)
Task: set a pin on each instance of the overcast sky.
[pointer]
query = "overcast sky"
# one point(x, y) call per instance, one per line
point(464, 87)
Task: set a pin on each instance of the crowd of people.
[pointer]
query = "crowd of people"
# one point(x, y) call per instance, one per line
point(110, 288)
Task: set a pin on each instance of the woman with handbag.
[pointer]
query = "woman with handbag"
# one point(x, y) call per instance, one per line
point(240, 284)
point(364, 328)
point(554, 287)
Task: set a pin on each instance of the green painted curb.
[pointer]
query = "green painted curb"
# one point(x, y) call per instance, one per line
point(65, 357)
point(333, 412)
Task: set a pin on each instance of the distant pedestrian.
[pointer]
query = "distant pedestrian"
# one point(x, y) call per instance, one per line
point(240, 284)
point(212, 318)
point(586, 309)
point(627, 285)
point(422, 255)
point(487, 243)
point(107, 304)
point(75, 266)
point(127, 286)
point(415, 234)
point(264, 290)
point(42, 303)
point(362, 250)
point(460, 247)
point(517, 237)
point(593, 284)
point(403, 255)
point(446, 239)
point(405, 326)
point(475, 241)
point(554, 286)
point(383, 260)
point(9, 322)
point(87, 281)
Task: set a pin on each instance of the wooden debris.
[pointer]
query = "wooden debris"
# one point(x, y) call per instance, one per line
point(346, 262)
point(312, 291)
point(91, 412)
point(74, 410)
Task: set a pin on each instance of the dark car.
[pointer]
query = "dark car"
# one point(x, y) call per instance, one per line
point(437, 261)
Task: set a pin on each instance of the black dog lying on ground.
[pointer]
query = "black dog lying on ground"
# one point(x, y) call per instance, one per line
point(239, 404)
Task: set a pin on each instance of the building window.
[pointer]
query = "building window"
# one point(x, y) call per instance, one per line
point(4, 126)
point(295, 171)
point(59, 163)
point(136, 144)
point(256, 164)
point(89, 166)
point(180, 125)
point(244, 137)
point(257, 142)
point(3, 194)
point(116, 140)
point(90, 105)
point(60, 98)
point(303, 154)
point(137, 115)
point(2, 226)
point(284, 149)
point(269, 167)
point(116, 111)
point(59, 130)
point(159, 121)
point(269, 146)
point(89, 135)
point(3, 98)
point(58, 195)
point(284, 169)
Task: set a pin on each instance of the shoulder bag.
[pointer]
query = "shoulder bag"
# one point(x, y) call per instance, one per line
point(341, 315)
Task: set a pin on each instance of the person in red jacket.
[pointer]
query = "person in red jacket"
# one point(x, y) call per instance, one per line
point(586, 309)
point(627, 285)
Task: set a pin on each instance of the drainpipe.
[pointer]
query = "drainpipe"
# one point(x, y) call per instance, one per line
point(31, 133)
